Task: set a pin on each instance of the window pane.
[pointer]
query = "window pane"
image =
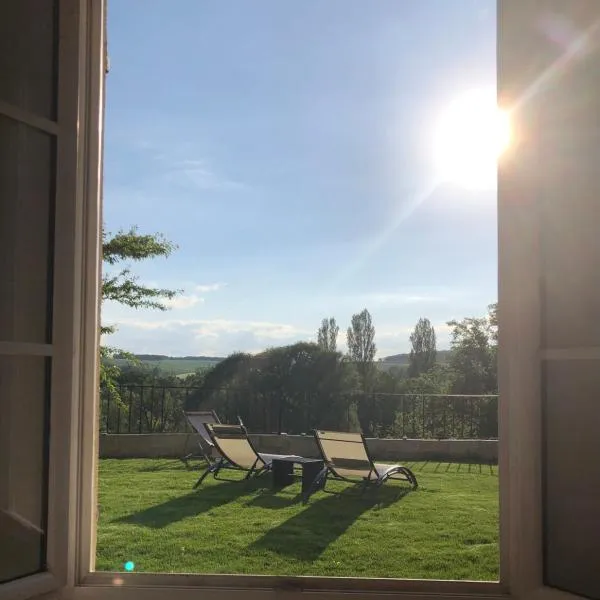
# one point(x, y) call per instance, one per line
point(24, 392)
point(26, 205)
point(334, 169)
point(27, 55)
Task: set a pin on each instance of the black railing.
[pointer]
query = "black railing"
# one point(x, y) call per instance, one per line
point(160, 409)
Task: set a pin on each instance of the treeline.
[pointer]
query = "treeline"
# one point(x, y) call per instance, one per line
point(304, 385)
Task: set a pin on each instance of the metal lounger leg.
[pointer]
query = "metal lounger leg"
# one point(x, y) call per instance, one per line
point(214, 468)
point(319, 480)
point(251, 471)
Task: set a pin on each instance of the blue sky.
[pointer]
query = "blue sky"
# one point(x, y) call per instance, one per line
point(286, 147)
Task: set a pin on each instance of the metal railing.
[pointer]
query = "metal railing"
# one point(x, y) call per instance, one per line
point(160, 409)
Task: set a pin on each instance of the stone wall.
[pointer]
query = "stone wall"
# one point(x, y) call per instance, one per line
point(176, 445)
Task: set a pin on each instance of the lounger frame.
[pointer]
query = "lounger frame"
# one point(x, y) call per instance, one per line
point(256, 466)
point(373, 475)
point(204, 443)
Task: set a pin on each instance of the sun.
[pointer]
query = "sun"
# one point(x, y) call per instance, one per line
point(469, 137)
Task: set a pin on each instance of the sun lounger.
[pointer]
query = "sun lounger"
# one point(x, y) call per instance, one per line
point(346, 456)
point(197, 420)
point(237, 452)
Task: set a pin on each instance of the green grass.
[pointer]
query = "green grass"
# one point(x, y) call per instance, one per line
point(447, 529)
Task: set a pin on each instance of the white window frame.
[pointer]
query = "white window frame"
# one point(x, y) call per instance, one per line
point(74, 438)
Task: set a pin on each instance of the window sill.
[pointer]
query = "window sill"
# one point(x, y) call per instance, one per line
point(150, 586)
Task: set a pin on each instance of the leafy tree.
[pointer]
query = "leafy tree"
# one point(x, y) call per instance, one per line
point(327, 334)
point(473, 356)
point(423, 352)
point(147, 401)
point(438, 380)
point(361, 350)
point(361, 346)
point(294, 388)
point(124, 287)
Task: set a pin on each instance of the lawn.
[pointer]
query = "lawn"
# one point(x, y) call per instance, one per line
point(446, 529)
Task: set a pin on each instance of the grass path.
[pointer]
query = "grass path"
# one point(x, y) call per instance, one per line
point(447, 529)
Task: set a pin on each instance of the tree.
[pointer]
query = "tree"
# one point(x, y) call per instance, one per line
point(293, 388)
point(327, 335)
point(361, 345)
point(423, 352)
point(123, 286)
point(473, 356)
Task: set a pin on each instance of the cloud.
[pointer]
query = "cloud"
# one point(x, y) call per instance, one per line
point(221, 337)
point(198, 174)
point(211, 287)
point(216, 337)
point(179, 302)
point(175, 158)
point(189, 300)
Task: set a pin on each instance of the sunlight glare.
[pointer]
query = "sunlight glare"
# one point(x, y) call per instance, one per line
point(470, 136)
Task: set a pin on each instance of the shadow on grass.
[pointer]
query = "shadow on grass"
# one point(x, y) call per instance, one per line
point(272, 498)
point(307, 535)
point(196, 502)
point(167, 465)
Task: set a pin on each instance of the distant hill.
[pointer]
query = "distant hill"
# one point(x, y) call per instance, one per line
point(174, 365)
point(155, 357)
point(184, 365)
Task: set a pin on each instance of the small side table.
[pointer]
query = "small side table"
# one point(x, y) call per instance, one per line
point(283, 471)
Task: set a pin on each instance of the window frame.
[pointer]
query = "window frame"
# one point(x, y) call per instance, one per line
point(92, 584)
point(74, 440)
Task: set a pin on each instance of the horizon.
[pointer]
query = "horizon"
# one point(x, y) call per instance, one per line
point(296, 170)
point(204, 356)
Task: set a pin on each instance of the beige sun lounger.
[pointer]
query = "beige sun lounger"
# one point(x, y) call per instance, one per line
point(197, 420)
point(346, 456)
point(237, 452)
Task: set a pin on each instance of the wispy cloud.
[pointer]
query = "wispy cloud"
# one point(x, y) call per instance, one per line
point(198, 174)
point(210, 287)
point(221, 337)
point(216, 337)
point(175, 159)
point(193, 299)
point(184, 301)
point(214, 327)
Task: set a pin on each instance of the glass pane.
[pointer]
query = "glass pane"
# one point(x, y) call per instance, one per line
point(572, 477)
point(26, 198)
point(27, 55)
point(336, 170)
point(24, 392)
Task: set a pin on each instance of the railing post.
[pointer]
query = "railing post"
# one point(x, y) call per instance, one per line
point(445, 426)
point(141, 408)
point(107, 425)
point(119, 400)
point(432, 411)
point(130, 410)
point(162, 410)
point(471, 417)
point(403, 417)
point(280, 415)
